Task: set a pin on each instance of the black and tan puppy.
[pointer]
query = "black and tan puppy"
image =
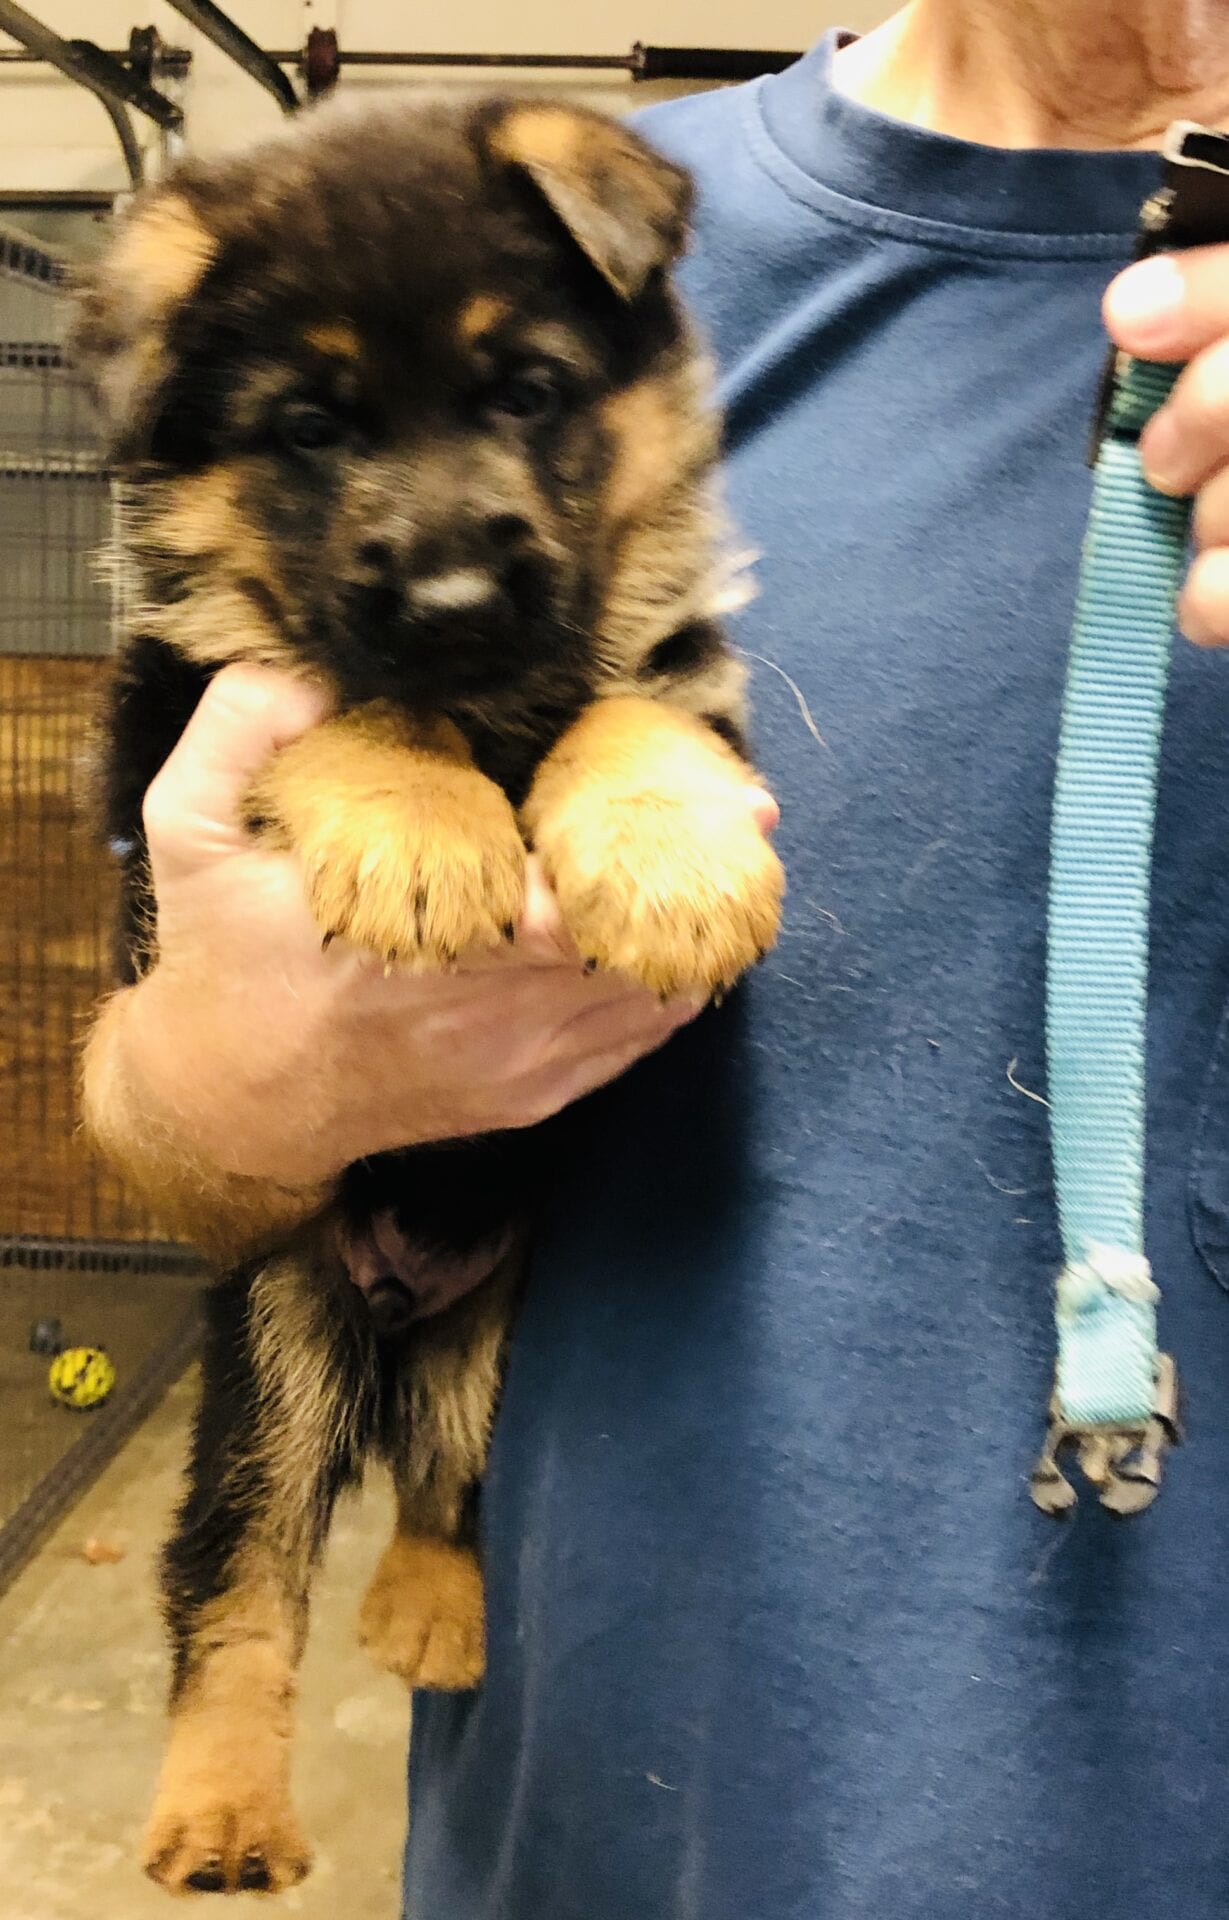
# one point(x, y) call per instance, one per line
point(406, 402)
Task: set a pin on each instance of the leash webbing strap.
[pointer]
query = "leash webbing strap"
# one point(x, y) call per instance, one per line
point(1097, 962)
point(1114, 1401)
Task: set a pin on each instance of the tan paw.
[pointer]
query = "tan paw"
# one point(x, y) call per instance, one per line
point(414, 884)
point(218, 1827)
point(684, 896)
point(424, 1617)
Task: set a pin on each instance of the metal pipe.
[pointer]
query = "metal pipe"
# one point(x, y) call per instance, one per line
point(72, 59)
point(221, 29)
point(129, 146)
point(87, 64)
point(592, 62)
point(179, 61)
point(174, 62)
point(643, 63)
point(119, 83)
point(51, 200)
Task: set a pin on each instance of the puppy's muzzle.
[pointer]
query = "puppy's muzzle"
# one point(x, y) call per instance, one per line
point(483, 560)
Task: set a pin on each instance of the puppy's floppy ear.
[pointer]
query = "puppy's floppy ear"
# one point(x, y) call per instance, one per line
point(126, 305)
point(623, 204)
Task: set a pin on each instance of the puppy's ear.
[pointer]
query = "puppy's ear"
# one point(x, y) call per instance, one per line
point(623, 204)
point(126, 306)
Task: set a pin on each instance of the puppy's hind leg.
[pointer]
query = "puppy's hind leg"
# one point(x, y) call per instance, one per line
point(424, 1615)
point(288, 1405)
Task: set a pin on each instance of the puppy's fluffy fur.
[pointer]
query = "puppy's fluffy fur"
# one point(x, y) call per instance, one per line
point(406, 402)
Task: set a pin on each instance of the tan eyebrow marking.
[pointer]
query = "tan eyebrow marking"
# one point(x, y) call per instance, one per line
point(163, 252)
point(550, 135)
point(335, 337)
point(481, 315)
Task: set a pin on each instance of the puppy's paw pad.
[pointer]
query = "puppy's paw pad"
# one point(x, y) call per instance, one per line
point(424, 1615)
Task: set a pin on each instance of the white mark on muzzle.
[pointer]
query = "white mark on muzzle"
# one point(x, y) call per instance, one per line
point(456, 591)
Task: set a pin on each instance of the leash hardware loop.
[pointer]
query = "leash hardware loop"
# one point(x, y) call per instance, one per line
point(1123, 1460)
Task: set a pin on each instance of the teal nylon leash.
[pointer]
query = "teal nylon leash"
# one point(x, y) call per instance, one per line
point(1115, 1394)
point(1104, 811)
point(1097, 955)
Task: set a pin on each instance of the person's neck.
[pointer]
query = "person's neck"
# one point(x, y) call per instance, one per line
point(1045, 73)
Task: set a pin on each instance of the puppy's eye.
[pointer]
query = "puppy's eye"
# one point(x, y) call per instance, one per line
point(532, 393)
point(308, 428)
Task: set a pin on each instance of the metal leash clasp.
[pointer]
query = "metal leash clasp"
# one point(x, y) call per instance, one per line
point(1122, 1462)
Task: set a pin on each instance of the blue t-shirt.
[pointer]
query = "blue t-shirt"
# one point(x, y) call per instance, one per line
point(775, 1632)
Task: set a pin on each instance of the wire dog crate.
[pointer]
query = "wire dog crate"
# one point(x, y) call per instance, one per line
point(74, 1245)
point(55, 891)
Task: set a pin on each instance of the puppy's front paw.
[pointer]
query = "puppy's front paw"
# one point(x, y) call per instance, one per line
point(424, 1617)
point(418, 885)
point(684, 895)
point(223, 1822)
point(406, 849)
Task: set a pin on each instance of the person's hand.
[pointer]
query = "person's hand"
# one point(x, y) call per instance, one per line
point(284, 1061)
point(1174, 308)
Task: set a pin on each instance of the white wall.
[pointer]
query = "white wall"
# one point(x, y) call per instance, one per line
point(53, 136)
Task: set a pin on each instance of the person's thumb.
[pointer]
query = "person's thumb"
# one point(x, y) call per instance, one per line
point(764, 810)
point(193, 810)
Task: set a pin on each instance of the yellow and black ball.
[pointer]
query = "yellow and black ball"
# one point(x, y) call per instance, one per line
point(81, 1377)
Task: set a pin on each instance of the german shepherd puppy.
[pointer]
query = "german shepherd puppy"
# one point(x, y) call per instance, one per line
point(404, 401)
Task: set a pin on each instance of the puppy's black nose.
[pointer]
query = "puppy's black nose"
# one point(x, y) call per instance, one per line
point(379, 556)
point(507, 531)
point(454, 572)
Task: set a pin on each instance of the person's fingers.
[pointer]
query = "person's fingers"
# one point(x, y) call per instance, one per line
point(613, 1043)
point(193, 809)
point(1210, 524)
point(632, 1019)
point(764, 810)
point(1172, 306)
point(1203, 605)
point(1188, 438)
point(541, 935)
point(595, 1068)
point(1203, 608)
point(540, 940)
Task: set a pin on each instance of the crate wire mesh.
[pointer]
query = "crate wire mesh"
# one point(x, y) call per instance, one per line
point(74, 1245)
point(55, 635)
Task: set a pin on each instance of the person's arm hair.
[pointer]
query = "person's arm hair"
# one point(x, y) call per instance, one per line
point(227, 1215)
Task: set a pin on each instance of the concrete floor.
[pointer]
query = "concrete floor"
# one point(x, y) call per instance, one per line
point(82, 1680)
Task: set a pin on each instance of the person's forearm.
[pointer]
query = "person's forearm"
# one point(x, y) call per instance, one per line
point(225, 1214)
